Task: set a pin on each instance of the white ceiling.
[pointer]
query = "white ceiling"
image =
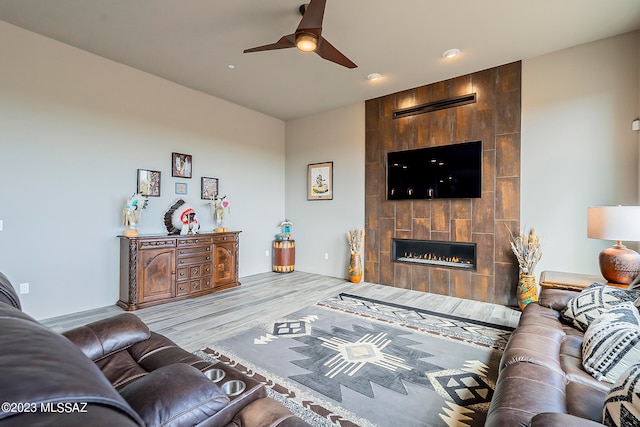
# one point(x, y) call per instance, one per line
point(192, 42)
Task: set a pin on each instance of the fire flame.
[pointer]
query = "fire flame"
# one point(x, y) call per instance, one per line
point(433, 257)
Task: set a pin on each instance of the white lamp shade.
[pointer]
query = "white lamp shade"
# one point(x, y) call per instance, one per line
point(614, 223)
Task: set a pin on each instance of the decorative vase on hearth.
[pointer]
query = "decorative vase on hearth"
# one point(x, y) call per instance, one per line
point(527, 291)
point(355, 239)
point(528, 250)
point(355, 268)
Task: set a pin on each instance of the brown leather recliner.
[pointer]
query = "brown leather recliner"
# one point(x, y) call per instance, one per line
point(117, 372)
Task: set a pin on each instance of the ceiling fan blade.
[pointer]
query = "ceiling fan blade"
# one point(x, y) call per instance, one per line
point(284, 43)
point(330, 53)
point(312, 17)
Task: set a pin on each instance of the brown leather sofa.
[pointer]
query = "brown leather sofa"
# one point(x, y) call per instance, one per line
point(115, 372)
point(541, 381)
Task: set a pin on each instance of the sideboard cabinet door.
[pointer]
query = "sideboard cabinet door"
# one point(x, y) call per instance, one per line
point(157, 274)
point(225, 260)
point(224, 264)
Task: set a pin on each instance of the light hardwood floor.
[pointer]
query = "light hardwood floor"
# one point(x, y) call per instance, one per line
point(195, 323)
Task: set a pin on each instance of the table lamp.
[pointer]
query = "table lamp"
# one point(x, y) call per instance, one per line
point(618, 264)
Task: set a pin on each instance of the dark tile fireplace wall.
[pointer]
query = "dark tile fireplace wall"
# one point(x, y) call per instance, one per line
point(495, 119)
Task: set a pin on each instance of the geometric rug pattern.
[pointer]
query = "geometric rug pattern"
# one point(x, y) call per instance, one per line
point(476, 331)
point(354, 361)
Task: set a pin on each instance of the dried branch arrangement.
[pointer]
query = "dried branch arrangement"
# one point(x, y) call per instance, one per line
point(527, 249)
point(355, 239)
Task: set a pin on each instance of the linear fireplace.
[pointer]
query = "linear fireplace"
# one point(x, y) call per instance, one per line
point(435, 253)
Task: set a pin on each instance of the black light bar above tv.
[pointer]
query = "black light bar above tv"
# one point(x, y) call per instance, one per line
point(436, 105)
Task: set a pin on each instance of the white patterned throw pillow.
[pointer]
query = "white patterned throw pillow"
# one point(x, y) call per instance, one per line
point(592, 301)
point(622, 405)
point(611, 343)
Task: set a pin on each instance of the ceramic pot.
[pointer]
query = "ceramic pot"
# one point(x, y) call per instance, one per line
point(527, 290)
point(355, 268)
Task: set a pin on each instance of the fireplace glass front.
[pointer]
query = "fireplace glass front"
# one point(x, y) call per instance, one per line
point(434, 253)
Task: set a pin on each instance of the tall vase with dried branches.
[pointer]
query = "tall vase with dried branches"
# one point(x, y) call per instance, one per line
point(528, 250)
point(355, 239)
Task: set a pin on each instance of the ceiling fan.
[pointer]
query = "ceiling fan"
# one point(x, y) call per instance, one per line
point(308, 36)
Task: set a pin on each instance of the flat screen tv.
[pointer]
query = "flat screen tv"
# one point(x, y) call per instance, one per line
point(442, 172)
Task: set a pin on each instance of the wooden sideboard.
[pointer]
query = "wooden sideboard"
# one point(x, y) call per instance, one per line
point(156, 269)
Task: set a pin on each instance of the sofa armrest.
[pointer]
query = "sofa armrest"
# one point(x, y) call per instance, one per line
point(556, 299)
point(266, 412)
point(104, 337)
point(547, 419)
point(8, 294)
point(174, 395)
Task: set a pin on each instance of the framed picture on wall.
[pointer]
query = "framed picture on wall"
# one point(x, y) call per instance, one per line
point(181, 188)
point(148, 183)
point(320, 181)
point(209, 188)
point(181, 165)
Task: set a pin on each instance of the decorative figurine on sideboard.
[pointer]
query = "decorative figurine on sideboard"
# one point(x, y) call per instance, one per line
point(218, 205)
point(181, 218)
point(132, 212)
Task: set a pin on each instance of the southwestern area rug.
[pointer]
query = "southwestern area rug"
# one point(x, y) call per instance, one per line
point(356, 361)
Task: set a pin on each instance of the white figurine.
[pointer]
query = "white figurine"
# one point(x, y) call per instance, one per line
point(218, 205)
point(132, 212)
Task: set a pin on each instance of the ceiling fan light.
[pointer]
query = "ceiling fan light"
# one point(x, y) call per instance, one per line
point(306, 42)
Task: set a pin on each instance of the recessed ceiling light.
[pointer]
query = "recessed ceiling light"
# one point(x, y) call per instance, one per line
point(374, 76)
point(231, 66)
point(451, 53)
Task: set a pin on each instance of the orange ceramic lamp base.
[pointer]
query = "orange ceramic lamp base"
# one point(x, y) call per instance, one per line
point(619, 264)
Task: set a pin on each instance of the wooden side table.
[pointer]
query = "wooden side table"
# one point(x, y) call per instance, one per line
point(284, 256)
point(571, 281)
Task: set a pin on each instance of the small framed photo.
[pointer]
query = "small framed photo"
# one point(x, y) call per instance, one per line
point(181, 165)
point(181, 188)
point(320, 181)
point(209, 188)
point(148, 183)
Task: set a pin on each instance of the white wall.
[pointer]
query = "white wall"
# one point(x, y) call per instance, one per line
point(320, 226)
point(578, 149)
point(74, 127)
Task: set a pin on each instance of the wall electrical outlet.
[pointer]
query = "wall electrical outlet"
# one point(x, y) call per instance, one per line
point(24, 288)
point(326, 255)
point(1, 225)
point(266, 253)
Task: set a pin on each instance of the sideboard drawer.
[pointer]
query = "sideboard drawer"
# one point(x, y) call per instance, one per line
point(195, 241)
point(182, 273)
point(196, 286)
point(195, 271)
point(191, 250)
point(198, 259)
point(156, 244)
point(183, 288)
